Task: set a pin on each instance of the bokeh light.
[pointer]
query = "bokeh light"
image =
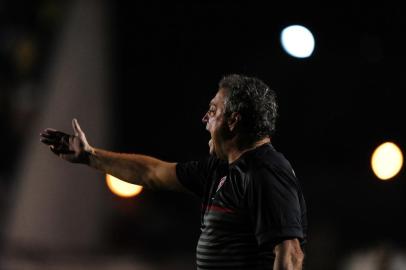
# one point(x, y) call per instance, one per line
point(387, 160)
point(122, 188)
point(297, 41)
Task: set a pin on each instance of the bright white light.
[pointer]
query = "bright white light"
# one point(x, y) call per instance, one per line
point(297, 41)
point(387, 160)
point(122, 188)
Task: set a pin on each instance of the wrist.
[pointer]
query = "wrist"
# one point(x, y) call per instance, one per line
point(89, 155)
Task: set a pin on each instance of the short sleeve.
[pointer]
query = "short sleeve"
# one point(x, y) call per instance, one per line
point(276, 205)
point(194, 175)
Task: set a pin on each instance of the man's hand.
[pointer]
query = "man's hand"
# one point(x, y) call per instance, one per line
point(73, 148)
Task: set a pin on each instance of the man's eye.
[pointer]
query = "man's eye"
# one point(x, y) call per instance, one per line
point(211, 112)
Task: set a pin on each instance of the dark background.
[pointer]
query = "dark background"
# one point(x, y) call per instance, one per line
point(335, 107)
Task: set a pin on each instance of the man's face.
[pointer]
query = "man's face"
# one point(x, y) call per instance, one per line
point(216, 124)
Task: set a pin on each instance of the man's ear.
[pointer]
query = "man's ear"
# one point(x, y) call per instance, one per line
point(233, 120)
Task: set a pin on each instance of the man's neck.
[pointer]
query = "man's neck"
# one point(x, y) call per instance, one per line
point(234, 152)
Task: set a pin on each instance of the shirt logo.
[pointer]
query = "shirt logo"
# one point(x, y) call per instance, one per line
point(222, 180)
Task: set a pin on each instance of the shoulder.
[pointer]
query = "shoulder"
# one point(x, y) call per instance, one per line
point(266, 157)
point(199, 174)
point(269, 165)
point(205, 164)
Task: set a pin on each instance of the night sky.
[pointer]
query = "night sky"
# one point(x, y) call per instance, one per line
point(335, 107)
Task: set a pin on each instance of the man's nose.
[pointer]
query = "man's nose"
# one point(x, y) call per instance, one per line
point(205, 118)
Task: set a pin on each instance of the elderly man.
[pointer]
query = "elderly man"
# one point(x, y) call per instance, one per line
point(254, 213)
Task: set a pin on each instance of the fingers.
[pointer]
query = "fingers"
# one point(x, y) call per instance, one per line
point(76, 127)
point(53, 137)
point(49, 132)
point(47, 141)
point(49, 138)
point(54, 150)
point(48, 135)
point(58, 142)
point(60, 150)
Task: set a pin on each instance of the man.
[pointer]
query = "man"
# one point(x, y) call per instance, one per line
point(253, 214)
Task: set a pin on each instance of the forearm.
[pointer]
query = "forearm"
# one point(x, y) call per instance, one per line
point(134, 168)
point(130, 167)
point(287, 263)
point(288, 256)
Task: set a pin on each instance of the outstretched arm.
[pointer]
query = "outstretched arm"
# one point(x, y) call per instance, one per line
point(138, 169)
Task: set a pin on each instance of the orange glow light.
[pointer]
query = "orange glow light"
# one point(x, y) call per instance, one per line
point(387, 160)
point(122, 188)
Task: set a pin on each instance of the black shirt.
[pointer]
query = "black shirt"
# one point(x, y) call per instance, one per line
point(248, 207)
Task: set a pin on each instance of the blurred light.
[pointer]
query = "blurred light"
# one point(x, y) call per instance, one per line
point(122, 188)
point(297, 41)
point(387, 160)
